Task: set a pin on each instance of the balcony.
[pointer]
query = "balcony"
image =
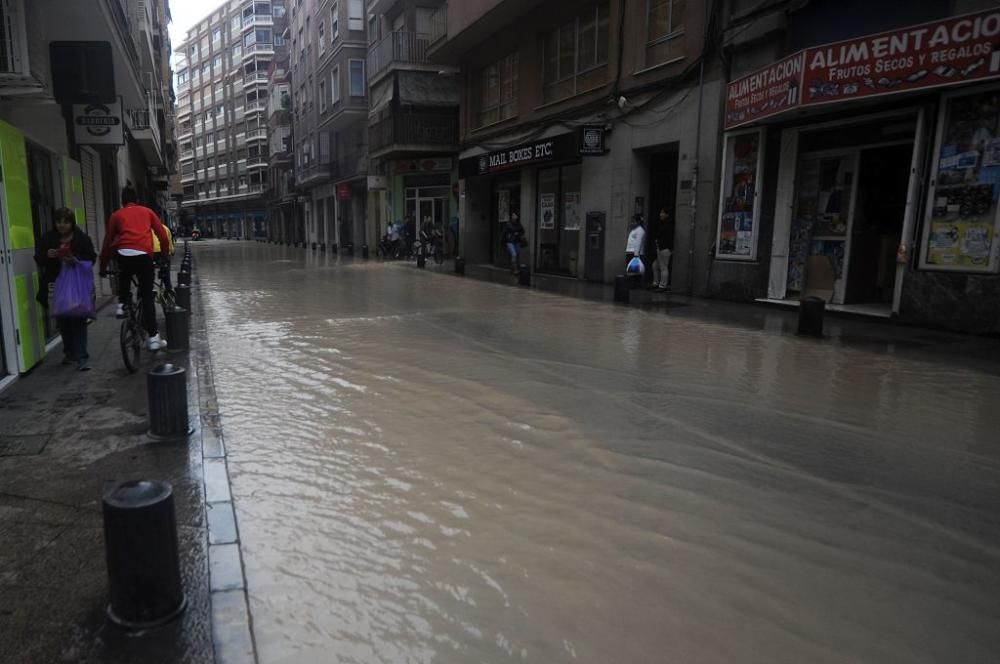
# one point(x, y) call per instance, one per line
point(258, 106)
point(146, 131)
point(398, 48)
point(403, 133)
point(257, 134)
point(257, 49)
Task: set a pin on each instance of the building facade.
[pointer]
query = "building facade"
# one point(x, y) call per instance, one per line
point(577, 116)
point(223, 67)
point(413, 121)
point(85, 99)
point(860, 160)
point(329, 101)
point(284, 224)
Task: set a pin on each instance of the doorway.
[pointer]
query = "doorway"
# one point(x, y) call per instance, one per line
point(662, 196)
point(506, 200)
point(559, 220)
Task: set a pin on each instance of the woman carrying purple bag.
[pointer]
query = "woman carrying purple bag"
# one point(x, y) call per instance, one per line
point(68, 249)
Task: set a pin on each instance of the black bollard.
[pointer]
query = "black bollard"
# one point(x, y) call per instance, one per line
point(182, 297)
point(183, 278)
point(621, 288)
point(524, 276)
point(166, 393)
point(178, 327)
point(349, 248)
point(140, 543)
point(322, 247)
point(811, 311)
point(334, 248)
point(459, 265)
point(364, 251)
point(421, 260)
point(314, 246)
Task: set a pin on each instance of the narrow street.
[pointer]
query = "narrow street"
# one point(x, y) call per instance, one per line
point(434, 469)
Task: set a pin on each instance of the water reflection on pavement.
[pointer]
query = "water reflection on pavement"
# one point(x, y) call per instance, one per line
point(433, 469)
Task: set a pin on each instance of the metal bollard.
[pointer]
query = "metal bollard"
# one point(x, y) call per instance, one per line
point(166, 395)
point(184, 278)
point(421, 260)
point(314, 246)
point(182, 297)
point(322, 247)
point(364, 251)
point(811, 311)
point(140, 543)
point(621, 288)
point(524, 276)
point(178, 327)
point(459, 265)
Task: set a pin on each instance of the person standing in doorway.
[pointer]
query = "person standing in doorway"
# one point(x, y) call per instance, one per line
point(636, 244)
point(65, 244)
point(513, 239)
point(664, 249)
point(128, 235)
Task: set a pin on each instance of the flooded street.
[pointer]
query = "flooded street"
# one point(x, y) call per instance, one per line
point(434, 469)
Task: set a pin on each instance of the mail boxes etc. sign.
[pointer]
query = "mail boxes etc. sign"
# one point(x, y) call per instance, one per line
point(956, 50)
point(557, 148)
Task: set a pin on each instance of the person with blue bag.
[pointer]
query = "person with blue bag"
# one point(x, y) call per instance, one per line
point(65, 256)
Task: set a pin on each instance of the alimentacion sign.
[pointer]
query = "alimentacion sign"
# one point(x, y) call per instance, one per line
point(960, 49)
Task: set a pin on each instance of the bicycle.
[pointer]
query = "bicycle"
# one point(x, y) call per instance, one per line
point(132, 336)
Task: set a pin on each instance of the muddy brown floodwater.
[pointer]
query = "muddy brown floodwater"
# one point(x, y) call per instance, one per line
point(434, 469)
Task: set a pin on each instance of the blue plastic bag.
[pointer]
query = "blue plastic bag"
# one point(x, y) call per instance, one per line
point(73, 294)
point(635, 266)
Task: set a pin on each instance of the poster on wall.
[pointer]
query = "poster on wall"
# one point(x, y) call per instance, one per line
point(737, 222)
point(547, 212)
point(503, 206)
point(961, 231)
point(571, 202)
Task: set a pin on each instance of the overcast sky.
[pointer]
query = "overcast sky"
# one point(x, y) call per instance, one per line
point(186, 13)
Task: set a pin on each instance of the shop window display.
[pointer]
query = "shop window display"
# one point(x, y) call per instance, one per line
point(739, 209)
point(962, 214)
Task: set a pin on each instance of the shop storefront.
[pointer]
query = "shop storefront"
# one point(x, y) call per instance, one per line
point(867, 172)
point(541, 184)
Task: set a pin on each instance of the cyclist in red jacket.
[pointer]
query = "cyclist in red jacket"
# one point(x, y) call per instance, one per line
point(130, 236)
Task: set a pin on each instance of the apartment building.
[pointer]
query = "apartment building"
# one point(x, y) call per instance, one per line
point(85, 96)
point(575, 117)
point(329, 102)
point(284, 222)
point(222, 102)
point(413, 121)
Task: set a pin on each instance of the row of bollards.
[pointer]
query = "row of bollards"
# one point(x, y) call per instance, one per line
point(140, 526)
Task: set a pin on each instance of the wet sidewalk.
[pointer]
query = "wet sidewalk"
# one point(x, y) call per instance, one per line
point(66, 436)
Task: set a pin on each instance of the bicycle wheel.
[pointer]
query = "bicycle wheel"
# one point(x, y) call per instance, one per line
point(130, 338)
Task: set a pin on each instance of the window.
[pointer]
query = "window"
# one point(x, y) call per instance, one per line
point(216, 35)
point(321, 93)
point(335, 85)
point(334, 21)
point(664, 26)
point(575, 55)
point(279, 40)
point(739, 206)
point(497, 91)
point(320, 36)
point(357, 78)
point(355, 15)
point(205, 71)
point(237, 52)
point(217, 64)
point(235, 24)
point(372, 29)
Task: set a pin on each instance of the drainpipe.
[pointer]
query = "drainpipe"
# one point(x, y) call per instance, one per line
point(697, 151)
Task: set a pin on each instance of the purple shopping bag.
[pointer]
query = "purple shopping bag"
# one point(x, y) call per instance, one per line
point(73, 296)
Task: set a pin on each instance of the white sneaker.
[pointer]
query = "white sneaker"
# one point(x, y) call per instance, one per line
point(120, 311)
point(156, 343)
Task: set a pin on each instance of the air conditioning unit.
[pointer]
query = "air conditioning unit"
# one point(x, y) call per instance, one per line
point(13, 40)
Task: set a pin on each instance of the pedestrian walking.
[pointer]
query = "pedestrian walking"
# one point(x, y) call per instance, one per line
point(664, 249)
point(514, 240)
point(635, 246)
point(65, 256)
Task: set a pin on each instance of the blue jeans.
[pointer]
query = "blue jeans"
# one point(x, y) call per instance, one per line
point(74, 338)
point(513, 249)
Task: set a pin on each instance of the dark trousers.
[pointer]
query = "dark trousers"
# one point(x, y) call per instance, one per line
point(74, 338)
point(142, 267)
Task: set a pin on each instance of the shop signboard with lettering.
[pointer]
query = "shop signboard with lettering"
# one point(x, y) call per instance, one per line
point(765, 92)
point(558, 148)
point(963, 49)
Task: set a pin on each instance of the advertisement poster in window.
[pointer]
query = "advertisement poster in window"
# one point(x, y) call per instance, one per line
point(961, 229)
point(547, 212)
point(503, 206)
point(571, 202)
point(738, 207)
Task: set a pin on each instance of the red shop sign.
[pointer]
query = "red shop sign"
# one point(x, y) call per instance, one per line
point(765, 92)
point(958, 50)
point(344, 191)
